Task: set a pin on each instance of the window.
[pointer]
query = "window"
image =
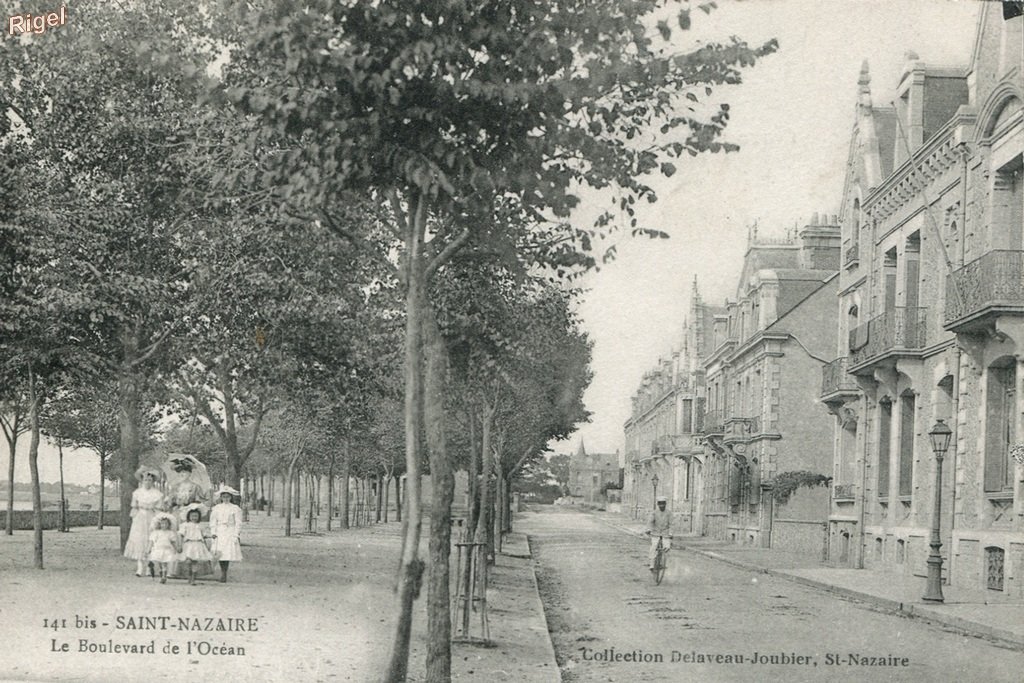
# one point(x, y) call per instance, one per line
point(847, 451)
point(1000, 426)
point(1007, 205)
point(889, 270)
point(995, 559)
point(908, 403)
point(884, 432)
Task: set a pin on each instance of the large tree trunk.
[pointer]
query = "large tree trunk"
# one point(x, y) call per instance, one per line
point(330, 491)
point(411, 567)
point(9, 528)
point(346, 469)
point(103, 488)
point(492, 522)
point(474, 514)
point(246, 490)
point(439, 623)
point(286, 509)
point(63, 499)
point(285, 498)
point(128, 420)
point(12, 447)
point(485, 523)
point(499, 503)
point(380, 497)
point(229, 437)
point(398, 498)
point(314, 503)
point(474, 478)
point(34, 408)
point(508, 504)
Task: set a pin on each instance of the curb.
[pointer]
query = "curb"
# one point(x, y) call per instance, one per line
point(922, 613)
point(543, 614)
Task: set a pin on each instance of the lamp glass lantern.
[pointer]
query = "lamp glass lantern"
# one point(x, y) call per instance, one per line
point(939, 436)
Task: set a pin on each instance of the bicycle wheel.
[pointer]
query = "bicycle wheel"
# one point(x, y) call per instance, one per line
point(659, 565)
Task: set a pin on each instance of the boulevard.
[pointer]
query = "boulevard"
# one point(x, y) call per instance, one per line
point(709, 621)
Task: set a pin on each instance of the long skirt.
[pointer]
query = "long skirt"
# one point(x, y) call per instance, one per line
point(138, 536)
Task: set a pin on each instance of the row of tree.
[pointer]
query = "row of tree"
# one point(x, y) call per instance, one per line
point(330, 235)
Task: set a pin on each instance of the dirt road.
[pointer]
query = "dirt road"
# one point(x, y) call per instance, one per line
point(709, 621)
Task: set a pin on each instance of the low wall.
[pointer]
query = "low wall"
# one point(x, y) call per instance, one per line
point(51, 518)
point(800, 536)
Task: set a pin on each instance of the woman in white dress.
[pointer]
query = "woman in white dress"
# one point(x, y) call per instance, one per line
point(225, 526)
point(146, 501)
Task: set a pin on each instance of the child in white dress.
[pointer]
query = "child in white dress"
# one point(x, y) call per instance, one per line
point(225, 526)
point(193, 542)
point(163, 544)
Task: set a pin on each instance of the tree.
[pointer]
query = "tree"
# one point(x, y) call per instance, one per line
point(105, 143)
point(13, 262)
point(85, 416)
point(558, 465)
point(473, 121)
point(13, 424)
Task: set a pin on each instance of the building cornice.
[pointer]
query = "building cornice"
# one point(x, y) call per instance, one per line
point(935, 157)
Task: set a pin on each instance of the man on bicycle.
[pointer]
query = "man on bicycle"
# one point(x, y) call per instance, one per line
point(660, 526)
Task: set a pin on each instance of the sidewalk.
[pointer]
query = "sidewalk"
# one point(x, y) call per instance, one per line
point(981, 613)
point(519, 629)
point(315, 607)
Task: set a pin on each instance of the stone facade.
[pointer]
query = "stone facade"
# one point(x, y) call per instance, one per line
point(931, 320)
point(762, 380)
point(588, 474)
point(662, 454)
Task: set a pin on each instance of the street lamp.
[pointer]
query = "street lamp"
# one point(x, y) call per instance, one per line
point(636, 489)
point(654, 482)
point(939, 437)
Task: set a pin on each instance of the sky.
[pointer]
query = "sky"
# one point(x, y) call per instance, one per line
point(792, 118)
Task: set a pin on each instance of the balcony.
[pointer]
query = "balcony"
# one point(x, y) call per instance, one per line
point(673, 444)
point(852, 254)
point(714, 421)
point(989, 286)
point(836, 381)
point(897, 332)
point(739, 429)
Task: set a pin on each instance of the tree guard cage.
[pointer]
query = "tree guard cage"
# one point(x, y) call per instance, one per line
point(470, 595)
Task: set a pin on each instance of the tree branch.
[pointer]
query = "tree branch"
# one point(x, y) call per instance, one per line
point(356, 242)
point(396, 208)
point(204, 408)
point(445, 255)
point(247, 451)
point(151, 349)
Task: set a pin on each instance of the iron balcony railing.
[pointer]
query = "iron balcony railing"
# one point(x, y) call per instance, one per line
point(993, 281)
point(898, 329)
point(835, 379)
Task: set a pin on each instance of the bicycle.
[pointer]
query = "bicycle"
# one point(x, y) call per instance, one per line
point(660, 561)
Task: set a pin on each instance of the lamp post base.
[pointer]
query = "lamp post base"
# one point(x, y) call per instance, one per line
point(933, 588)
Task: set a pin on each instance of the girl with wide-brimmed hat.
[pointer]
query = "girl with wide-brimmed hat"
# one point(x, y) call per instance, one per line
point(146, 501)
point(225, 526)
point(193, 539)
point(163, 543)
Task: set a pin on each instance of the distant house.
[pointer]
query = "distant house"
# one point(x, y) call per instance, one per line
point(588, 474)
